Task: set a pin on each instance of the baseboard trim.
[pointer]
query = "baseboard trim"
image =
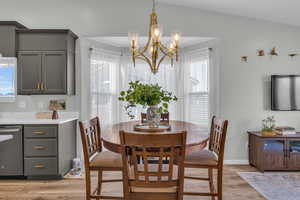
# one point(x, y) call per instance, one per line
point(236, 162)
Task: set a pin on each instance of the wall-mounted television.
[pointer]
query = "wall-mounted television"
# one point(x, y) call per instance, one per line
point(285, 92)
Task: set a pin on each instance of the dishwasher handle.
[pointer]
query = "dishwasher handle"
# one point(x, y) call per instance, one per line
point(9, 130)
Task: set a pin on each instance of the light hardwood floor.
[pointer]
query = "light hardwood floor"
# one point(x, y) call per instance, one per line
point(235, 188)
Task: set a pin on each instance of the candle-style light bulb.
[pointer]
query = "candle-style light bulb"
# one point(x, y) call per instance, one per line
point(133, 38)
point(156, 32)
point(176, 36)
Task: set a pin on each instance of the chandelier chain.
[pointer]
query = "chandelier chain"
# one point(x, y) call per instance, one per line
point(153, 9)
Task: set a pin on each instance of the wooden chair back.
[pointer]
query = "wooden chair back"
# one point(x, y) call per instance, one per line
point(91, 139)
point(217, 138)
point(164, 118)
point(154, 174)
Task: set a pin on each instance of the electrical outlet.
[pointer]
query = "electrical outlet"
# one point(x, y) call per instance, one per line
point(22, 104)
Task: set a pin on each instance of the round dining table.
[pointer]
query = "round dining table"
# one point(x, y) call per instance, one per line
point(197, 135)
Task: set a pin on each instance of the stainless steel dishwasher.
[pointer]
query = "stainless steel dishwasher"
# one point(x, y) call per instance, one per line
point(11, 150)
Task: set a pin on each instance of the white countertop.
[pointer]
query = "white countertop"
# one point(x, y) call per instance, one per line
point(30, 118)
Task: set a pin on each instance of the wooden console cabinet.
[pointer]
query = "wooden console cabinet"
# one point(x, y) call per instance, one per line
point(274, 153)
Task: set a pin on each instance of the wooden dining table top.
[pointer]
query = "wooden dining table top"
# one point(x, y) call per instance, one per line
point(196, 134)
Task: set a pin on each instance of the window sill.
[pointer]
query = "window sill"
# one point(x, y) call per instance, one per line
point(7, 99)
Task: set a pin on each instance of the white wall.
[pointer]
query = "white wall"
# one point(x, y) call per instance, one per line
point(242, 85)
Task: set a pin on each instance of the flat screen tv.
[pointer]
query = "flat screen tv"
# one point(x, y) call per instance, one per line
point(285, 92)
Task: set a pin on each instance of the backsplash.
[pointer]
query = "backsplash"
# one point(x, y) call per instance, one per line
point(37, 103)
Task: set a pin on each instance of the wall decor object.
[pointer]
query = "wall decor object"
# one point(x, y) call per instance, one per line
point(292, 55)
point(57, 104)
point(244, 58)
point(273, 52)
point(261, 52)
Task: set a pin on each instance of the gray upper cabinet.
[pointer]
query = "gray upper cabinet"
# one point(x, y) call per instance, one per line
point(29, 72)
point(56, 50)
point(54, 72)
point(8, 40)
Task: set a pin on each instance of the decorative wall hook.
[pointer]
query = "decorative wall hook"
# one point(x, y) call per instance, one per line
point(292, 55)
point(244, 58)
point(273, 52)
point(261, 52)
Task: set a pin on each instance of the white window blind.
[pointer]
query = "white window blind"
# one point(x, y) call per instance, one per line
point(103, 87)
point(197, 88)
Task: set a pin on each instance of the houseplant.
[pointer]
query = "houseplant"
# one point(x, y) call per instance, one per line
point(150, 96)
point(268, 126)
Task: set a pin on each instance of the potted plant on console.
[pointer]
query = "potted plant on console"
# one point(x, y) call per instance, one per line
point(150, 96)
point(268, 126)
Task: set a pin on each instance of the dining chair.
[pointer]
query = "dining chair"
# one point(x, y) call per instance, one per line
point(97, 160)
point(148, 181)
point(211, 158)
point(164, 118)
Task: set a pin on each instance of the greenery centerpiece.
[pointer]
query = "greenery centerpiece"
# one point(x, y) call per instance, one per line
point(150, 96)
point(268, 126)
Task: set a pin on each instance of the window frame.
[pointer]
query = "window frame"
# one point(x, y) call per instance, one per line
point(11, 99)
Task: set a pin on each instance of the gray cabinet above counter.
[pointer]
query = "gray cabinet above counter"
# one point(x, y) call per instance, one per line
point(46, 62)
point(8, 37)
point(46, 58)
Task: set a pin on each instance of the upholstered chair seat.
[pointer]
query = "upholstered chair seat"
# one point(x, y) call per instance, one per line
point(106, 159)
point(201, 158)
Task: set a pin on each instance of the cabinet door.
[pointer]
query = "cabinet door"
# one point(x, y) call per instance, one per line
point(11, 152)
point(293, 154)
point(54, 72)
point(274, 154)
point(29, 72)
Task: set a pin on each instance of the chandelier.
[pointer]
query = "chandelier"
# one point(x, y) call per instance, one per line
point(154, 52)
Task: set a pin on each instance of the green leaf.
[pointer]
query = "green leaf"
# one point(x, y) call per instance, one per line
point(122, 93)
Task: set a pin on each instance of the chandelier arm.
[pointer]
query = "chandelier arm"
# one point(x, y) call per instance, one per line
point(162, 46)
point(160, 61)
point(143, 57)
point(165, 50)
point(144, 49)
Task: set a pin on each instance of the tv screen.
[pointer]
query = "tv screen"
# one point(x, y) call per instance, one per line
point(285, 92)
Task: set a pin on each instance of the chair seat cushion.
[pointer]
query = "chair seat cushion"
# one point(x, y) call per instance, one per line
point(106, 159)
point(201, 158)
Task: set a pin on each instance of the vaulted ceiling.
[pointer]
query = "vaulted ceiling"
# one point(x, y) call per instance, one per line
point(281, 11)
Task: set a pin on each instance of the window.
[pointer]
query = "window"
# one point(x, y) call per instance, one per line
point(103, 89)
point(197, 90)
point(7, 79)
point(166, 77)
point(188, 80)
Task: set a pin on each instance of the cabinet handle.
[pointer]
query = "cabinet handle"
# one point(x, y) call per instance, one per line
point(38, 132)
point(39, 166)
point(38, 87)
point(39, 148)
point(42, 86)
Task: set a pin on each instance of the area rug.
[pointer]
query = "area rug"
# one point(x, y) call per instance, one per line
point(274, 185)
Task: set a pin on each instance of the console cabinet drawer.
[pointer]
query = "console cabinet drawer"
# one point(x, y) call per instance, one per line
point(40, 147)
point(40, 166)
point(40, 131)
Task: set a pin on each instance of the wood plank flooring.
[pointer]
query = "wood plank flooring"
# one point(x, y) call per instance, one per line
point(235, 188)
